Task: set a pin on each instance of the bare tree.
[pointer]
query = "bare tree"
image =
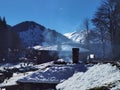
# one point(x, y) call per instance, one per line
point(107, 18)
point(103, 38)
point(86, 25)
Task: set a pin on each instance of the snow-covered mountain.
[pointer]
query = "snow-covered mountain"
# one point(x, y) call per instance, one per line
point(32, 33)
point(95, 41)
point(80, 36)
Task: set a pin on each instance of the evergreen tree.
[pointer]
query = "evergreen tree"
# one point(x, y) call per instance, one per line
point(9, 42)
point(3, 24)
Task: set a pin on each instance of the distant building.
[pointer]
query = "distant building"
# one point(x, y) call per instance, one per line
point(48, 53)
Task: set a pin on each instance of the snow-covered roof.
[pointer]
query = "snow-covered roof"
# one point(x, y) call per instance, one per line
point(53, 74)
point(61, 47)
point(45, 47)
point(97, 76)
point(12, 80)
point(16, 76)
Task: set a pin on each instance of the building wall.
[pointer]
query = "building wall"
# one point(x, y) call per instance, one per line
point(37, 86)
point(41, 56)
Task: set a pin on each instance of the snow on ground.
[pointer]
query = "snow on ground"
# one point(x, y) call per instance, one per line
point(18, 65)
point(43, 65)
point(96, 76)
point(54, 74)
point(11, 65)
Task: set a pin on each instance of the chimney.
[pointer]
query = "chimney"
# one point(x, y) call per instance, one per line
point(75, 53)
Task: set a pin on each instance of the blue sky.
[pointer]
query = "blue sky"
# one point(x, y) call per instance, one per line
point(61, 15)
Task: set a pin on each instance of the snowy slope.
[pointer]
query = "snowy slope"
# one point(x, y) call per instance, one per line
point(32, 34)
point(31, 37)
point(96, 76)
point(76, 36)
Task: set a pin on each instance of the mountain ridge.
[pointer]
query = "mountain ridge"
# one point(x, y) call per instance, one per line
point(25, 25)
point(32, 33)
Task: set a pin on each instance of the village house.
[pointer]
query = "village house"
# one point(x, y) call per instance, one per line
point(49, 77)
point(52, 74)
point(42, 54)
point(45, 78)
point(11, 84)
